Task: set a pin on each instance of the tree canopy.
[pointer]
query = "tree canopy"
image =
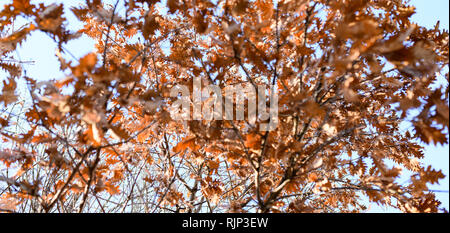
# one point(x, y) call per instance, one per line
point(360, 89)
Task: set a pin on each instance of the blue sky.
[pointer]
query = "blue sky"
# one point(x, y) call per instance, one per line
point(40, 49)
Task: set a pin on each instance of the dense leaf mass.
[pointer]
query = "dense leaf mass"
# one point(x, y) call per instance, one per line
point(360, 89)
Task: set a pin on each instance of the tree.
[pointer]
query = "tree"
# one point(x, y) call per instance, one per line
point(356, 83)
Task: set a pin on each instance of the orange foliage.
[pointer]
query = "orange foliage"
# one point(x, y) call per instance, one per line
point(347, 74)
